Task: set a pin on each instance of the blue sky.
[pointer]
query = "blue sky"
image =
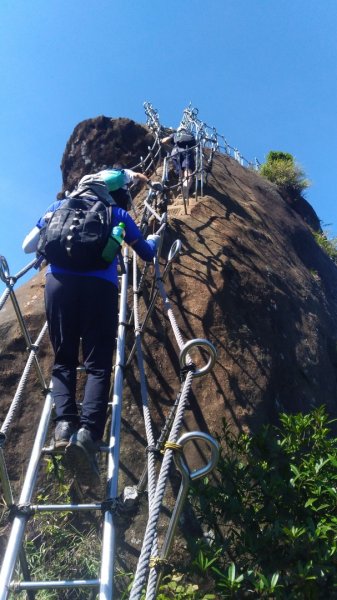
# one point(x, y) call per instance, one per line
point(263, 72)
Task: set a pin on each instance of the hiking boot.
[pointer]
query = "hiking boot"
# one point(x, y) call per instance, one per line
point(62, 434)
point(81, 457)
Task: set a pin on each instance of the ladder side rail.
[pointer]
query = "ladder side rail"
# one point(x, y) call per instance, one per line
point(109, 529)
point(4, 478)
point(20, 521)
point(8, 497)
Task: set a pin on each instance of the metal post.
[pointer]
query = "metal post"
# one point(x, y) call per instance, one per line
point(109, 533)
point(164, 175)
point(201, 171)
point(187, 477)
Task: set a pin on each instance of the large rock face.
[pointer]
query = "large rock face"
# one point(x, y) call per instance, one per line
point(251, 279)
point(98, 143)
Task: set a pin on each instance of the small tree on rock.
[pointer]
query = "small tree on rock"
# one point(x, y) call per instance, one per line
point(280, 168)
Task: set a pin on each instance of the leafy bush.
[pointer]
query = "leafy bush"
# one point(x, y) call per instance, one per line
point(272, 512)
point(280, 168)
point(328, 244)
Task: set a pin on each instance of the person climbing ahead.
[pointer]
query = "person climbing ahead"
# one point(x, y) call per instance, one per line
point(182, 155)
point(82, 307)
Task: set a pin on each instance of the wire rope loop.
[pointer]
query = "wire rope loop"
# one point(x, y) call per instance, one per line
point(179, 457)
point(4, 270)
point(205, 344)
point(174, 250)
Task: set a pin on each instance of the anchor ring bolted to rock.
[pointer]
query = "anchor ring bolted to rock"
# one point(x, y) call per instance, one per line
point(4, 270)
point(179, 459)
point(174, 250)
point(198, 342)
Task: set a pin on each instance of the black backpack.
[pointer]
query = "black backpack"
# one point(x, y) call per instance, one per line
point(184, 138)
point(76, 234)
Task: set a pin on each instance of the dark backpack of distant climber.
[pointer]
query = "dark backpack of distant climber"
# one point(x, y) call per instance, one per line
point(183, 138)
point(76, 234)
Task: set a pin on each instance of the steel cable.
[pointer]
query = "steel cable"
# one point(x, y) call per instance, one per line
point(143, 562)
point(18, 394)
point(4, 297)
point(149, 543)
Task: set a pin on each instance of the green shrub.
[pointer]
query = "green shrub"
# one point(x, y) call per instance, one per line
point(272, 512)
point(328, 244)
point(280, 168)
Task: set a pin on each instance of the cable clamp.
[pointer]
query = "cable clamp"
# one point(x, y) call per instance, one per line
point(110, 504)
point(125, 324)
point(172, 446)
point(186, 369)
point(32, 348)
point(157, 561)
point(153, 449)
point(20, 510)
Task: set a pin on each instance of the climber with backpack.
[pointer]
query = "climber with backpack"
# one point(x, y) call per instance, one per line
point(81, 300)
point(182, 155)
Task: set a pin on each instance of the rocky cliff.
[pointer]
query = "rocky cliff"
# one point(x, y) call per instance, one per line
point(251, 279)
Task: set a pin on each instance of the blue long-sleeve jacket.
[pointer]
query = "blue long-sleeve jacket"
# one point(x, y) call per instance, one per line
point(145, 249)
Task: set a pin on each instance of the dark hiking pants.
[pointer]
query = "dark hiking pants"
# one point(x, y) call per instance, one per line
point(81, 307)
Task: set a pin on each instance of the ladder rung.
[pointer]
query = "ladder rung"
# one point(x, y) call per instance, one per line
point(57, 451)
point(39, 585)
point(65, 507)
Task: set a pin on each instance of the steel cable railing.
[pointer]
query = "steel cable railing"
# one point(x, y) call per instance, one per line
point(205, 134)
point(151, 529)
point(15, 404)
point(149, 547)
